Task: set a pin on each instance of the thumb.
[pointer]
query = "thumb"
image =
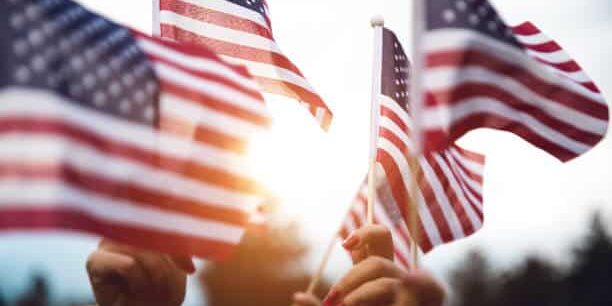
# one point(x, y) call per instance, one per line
point(375, 239)
point(185, 263)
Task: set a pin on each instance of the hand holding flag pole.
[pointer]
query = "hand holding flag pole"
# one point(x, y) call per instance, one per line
point(377, 23)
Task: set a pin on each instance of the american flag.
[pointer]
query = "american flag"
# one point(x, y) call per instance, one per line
point(109, 131)
point(482, 73)
point(240, 31)
point(450, 182)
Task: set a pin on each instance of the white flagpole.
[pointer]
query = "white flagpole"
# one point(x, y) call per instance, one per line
point(156, 29)
point(416, 100)
point(377, 23)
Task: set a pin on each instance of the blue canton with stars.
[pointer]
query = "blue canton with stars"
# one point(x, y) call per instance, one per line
point(60, 46)
point(395, 70)
point(476, 15)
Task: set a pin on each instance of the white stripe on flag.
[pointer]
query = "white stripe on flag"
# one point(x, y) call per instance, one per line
point(214, 31)
point(435, 117)
point(43, 104)
point(456, 39)
point(50, 194)
point(443, 78)
point(22, 147)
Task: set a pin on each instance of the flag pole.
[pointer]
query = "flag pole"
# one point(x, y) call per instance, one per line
point(416, 98)
point(314, 282)
point(156, 27)
point(377, 23)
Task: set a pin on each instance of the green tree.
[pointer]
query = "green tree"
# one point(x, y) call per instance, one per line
point(473, 282)
point(590, 278)
point(534, 283)
point(37, 295)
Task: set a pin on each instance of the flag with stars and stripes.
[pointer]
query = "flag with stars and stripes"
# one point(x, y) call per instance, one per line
point(450, 182)
point(479, 72)
point(109, 131)
point(241, 32)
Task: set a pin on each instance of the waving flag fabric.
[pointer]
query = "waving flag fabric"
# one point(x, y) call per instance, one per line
point(385, 213)
point(450, 182)
point(108, 131)
point(481, 73)
point(240, 31)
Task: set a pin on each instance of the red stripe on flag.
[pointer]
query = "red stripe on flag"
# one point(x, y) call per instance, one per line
point(204, 14)
point(465, 188)
point(212, 78)
point(458, 208)
point(475, 157)
point(191, 49)
point(400, 194)
point(425, 187)
point(547, 47)
point(553, 92)
point(230, 49)
point(134, 195)
point(463, 93)
point(14, 217)
point(570, 66)
point(476, 120)
point(526, 28)
point(110, 147)
point(203, 99)
point(202, 134)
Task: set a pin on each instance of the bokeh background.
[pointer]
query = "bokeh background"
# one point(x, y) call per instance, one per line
point(546, 234)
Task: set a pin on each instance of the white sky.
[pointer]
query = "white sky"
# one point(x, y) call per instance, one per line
point(533, 204)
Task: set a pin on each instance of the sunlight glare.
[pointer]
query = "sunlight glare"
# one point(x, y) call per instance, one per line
point(287, 157)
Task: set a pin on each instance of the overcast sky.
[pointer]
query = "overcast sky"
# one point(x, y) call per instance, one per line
point(533, 203)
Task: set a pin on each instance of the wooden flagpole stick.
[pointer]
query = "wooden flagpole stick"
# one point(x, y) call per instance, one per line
point(314, 282)
point(377, 23)
point(416, 100)
point(156, 30)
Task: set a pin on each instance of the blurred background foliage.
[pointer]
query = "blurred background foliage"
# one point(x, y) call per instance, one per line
point(269, 267)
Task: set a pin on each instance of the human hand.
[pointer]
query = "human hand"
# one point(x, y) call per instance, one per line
point(370, 240)
point(121, 275)
point(375, 280)
point(419, 288)
point(305, 299)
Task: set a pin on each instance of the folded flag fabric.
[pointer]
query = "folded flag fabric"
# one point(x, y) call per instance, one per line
point(109, 131)
point(479, 72)
point(241, 32)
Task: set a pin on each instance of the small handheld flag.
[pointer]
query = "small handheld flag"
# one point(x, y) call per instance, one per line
point(241, 32)
point(109, 131)
point(479, 72)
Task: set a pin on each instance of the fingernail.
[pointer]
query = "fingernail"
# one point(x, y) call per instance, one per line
point(331, 298)
point(351, 242)
point(186, 264)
